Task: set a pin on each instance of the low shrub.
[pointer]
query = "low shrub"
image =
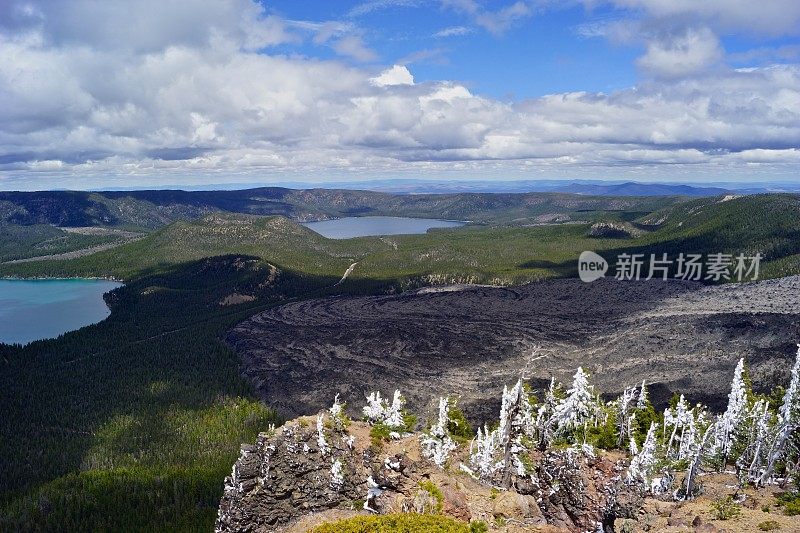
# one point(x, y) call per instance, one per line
point(378, 434)
point(431, 488)
point(725, 508)
point(790, 502)
point(397, 523)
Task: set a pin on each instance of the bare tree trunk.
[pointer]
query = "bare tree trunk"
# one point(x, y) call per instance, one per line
point(695, 464)
point(509, 442)
point(775, 453)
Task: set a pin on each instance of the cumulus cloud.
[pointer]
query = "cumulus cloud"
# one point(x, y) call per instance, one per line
point(214, 100)
point(775, 17)
point(144, 26)
point(679, 55)
point(397, 75)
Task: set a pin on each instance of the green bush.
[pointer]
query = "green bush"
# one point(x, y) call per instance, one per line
point(790, 502)
point(768, 525)
point(378, 434)
point(478, 526)
point(397, 523)
point(409, 421)
point(725, 508)
point(431, 488)
point(603, 436)
point(458, 426)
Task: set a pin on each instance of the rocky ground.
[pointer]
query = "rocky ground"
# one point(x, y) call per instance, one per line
point(284, 483)
point(470, 341)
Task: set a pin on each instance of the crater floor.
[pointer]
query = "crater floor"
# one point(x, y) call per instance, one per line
point(470, 341)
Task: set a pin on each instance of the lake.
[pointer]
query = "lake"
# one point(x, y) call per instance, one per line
point(348, 227)
point(42, 309)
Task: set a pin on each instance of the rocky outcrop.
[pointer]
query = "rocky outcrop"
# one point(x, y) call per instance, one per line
point(287, 473)
point(291, 474)
point(608, 230)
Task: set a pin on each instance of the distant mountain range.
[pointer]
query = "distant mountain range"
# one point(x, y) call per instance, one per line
point(143, 210)
point(642, 189)
point(593, 187)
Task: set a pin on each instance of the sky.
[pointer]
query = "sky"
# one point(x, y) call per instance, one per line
point(145, 93)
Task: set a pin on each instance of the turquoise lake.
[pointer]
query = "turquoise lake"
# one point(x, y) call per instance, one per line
point(42, 309)
point(348, 227)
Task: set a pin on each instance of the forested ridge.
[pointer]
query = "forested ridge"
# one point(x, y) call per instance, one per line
point(146, 410)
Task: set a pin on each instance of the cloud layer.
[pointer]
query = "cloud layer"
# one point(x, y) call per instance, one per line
point(92, 90)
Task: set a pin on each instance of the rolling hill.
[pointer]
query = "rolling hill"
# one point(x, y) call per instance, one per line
point(153, 209)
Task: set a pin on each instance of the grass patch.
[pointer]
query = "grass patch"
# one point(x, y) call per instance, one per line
point(396, 523)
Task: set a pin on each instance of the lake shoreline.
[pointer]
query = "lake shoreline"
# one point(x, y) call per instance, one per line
point(35, 309)
point(61, 278)
point(378, 226)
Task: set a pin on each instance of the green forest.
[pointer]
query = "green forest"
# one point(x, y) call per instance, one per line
point(132, 424)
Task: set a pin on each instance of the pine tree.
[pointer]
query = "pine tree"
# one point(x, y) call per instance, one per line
point(321, 441)
point(515, 420)
point(394, 414)
point(482, 453)
point(375, 410)
point(643, 400)
point(496, 453)
point(624, 416)
point(579, 407)
point(751, 461)
point(544, 418)
point(337, 414)
point(695, 463)
point(729, 424)
point(436, 442)
point(678, 420)
point(337, 475)
point(379, 411)
point(641, 468)
point(787, 423)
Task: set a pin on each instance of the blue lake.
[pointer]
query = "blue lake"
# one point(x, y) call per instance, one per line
point(42, 309)
point(348, 227)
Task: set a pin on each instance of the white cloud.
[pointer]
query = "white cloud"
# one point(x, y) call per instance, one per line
point(366, 8)
point(496, 22)
point(453, 31)
point(353, 46)
point(681, 37)
point(205, 103)
point(679, 55)
point(397, 75)
point(146, 25)
point(772, 17)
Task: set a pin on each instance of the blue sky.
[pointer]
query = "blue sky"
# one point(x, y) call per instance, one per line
point(125, 94)
point(536, 55)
